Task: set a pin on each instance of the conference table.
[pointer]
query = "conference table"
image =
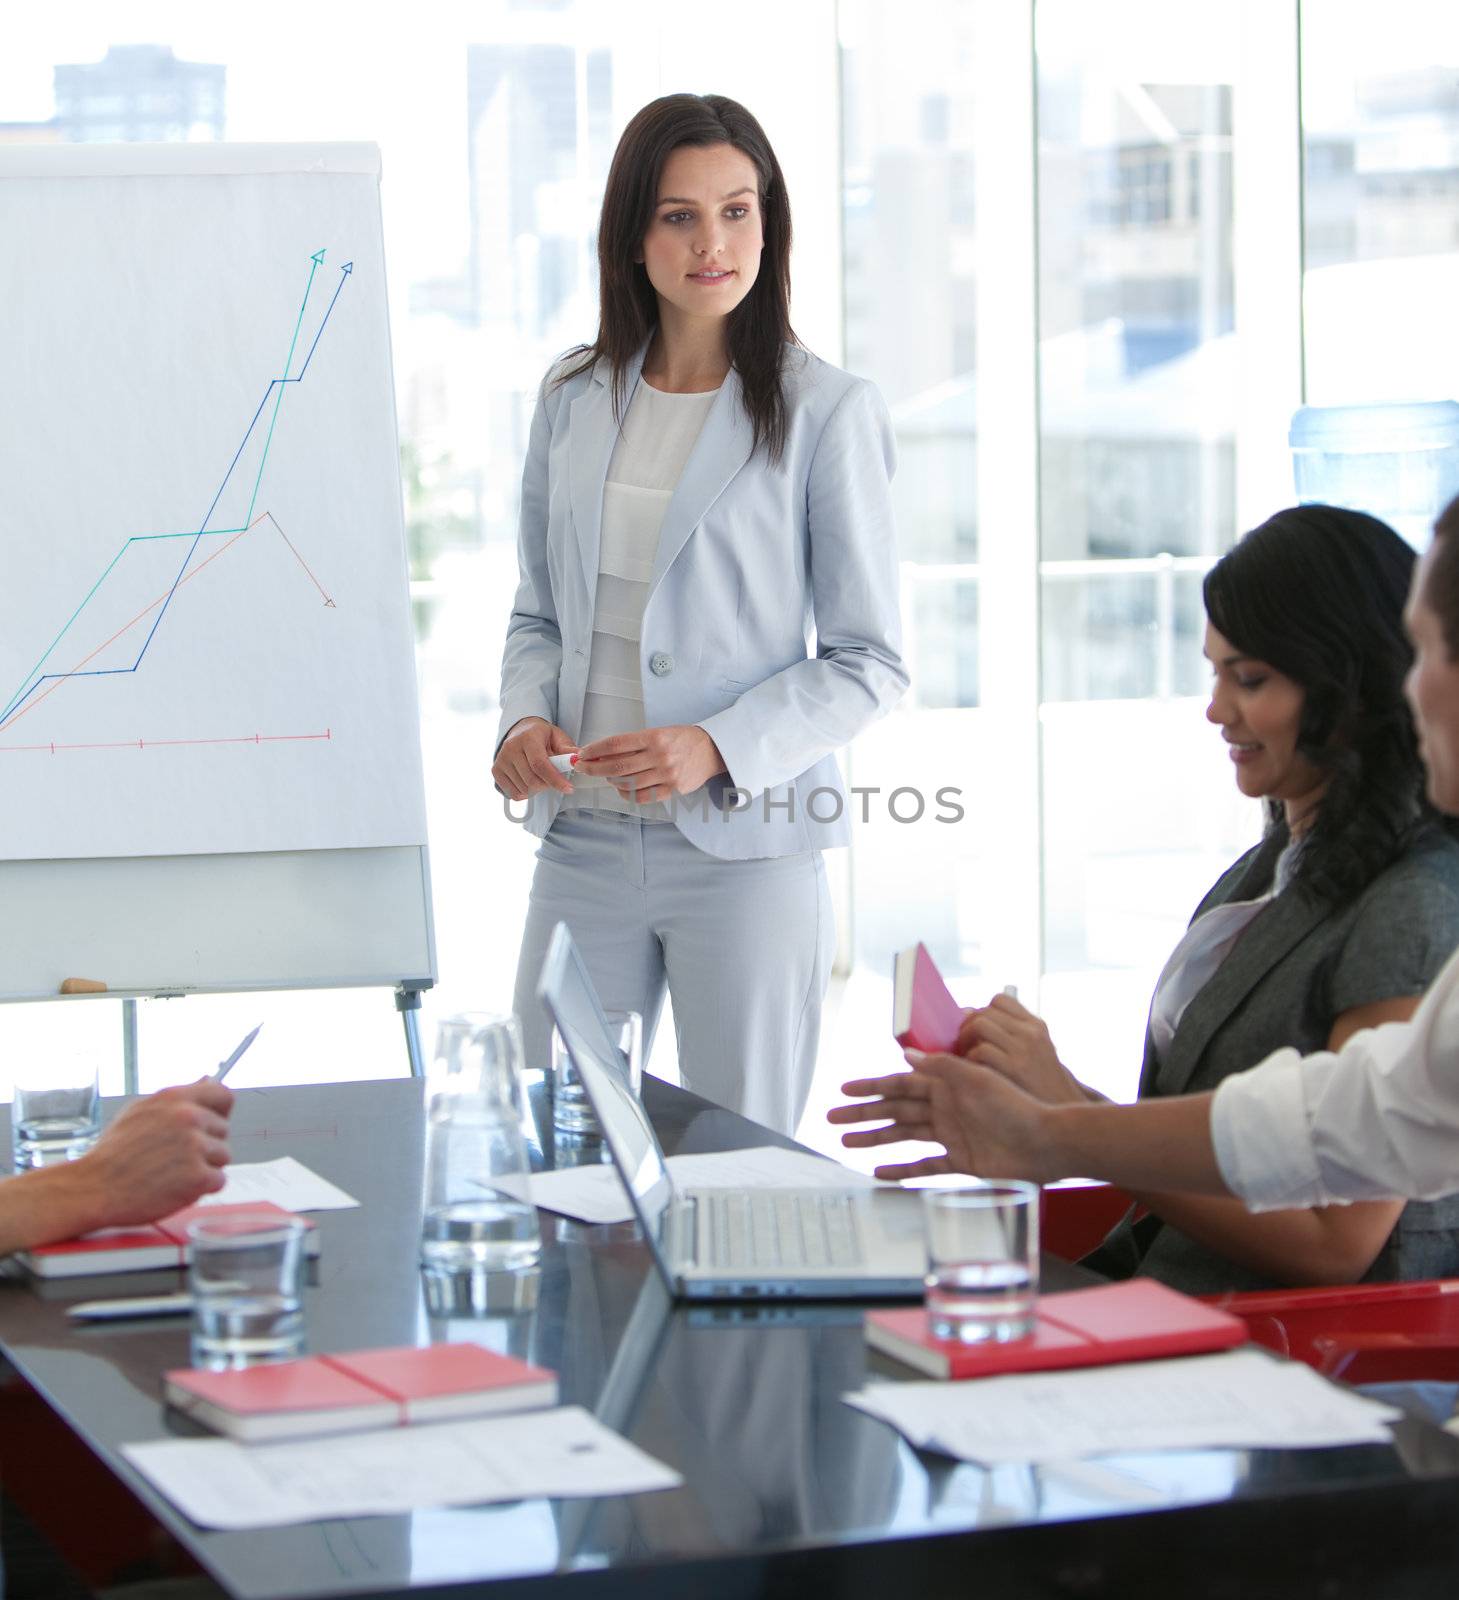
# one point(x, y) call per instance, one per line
point(786, 1488)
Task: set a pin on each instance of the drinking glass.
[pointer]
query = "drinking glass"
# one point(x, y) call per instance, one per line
point(245, 1276)
point(56, 1114)
point(572, 1111)
point(477, 1210)
point(982, 1261)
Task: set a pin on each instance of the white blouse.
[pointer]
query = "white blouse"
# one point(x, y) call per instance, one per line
point(659, 430)
point(1207, 943)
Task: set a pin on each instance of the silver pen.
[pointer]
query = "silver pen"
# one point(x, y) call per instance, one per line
point(225, 1067)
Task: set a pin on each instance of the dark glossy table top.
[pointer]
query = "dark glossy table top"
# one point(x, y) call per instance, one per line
point(785, 1485)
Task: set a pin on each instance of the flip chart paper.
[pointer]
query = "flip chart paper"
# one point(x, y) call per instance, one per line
point(205, 633)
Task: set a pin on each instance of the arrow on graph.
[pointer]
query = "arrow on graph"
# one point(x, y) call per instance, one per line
point(344, 272)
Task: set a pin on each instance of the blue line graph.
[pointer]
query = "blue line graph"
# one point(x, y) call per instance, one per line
point(35, 678)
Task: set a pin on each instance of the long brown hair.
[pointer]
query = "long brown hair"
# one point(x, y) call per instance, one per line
point(759, 327)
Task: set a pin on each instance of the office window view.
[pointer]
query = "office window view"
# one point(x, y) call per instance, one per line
point(1140, 127)
point(1138, 346)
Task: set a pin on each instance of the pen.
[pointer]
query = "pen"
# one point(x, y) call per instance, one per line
point(146, 1305)
point(225, 1067)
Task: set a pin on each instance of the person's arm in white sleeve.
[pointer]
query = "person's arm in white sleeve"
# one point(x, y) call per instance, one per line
point(781, 727)
point(1380, 1118)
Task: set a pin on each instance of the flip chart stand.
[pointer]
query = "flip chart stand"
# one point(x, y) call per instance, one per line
point(407, 1002)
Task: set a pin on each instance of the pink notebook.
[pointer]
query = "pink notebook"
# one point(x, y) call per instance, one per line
point(158, 1244)
point(1132, 1321)
point(924, 1015)
point(359, 1389)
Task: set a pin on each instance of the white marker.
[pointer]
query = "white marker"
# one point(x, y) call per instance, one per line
point(564, 764)
point(1011, 990)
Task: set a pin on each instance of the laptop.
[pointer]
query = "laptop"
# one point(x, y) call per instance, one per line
point(720, 1244)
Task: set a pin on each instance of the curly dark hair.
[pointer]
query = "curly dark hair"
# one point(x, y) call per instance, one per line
point(1318, 593)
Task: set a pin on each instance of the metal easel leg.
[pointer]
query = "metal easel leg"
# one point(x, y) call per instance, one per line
point(130, 1078)
point(407, 1003)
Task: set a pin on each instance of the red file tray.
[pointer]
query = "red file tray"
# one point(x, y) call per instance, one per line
point(1361, 1333)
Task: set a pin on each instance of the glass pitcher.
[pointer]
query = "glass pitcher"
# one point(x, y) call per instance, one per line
point(477, 1210)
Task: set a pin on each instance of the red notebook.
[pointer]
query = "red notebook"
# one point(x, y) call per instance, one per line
point(924, 1015)
point(158, 1244)
point(360, 1389)
point(1132, 1321)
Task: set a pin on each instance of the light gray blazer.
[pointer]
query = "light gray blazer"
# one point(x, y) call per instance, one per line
point(772, 619)
point(1297, 967)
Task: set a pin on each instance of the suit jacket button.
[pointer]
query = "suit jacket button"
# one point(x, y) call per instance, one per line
point(661, 665)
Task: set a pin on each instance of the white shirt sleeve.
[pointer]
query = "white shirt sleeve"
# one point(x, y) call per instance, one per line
point(1377, 1120)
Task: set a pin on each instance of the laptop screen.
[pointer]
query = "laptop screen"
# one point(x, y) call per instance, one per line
point(568, 994)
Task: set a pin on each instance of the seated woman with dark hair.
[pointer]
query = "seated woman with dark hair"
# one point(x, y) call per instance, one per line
point(1337, 921)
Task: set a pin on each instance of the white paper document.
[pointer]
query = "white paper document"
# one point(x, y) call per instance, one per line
point(285, 1182)
point(1238, 1399)
point(596, 1194)
point(558, 1454)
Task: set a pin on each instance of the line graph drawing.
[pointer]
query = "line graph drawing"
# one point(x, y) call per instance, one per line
point(38, 684)
point(206, 632)
point(57, 679)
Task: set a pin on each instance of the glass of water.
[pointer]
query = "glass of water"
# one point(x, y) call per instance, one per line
point(56, 1114)
point(982, 1261)
point(245, 1276)
point(572, 1111)
point(477, 1210)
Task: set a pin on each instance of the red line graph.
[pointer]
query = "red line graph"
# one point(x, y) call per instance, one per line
point(162, 744)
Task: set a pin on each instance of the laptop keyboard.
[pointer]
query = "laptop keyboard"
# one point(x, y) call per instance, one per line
point(765, 1228)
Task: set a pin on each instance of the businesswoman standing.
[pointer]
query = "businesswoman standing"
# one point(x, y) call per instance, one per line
point(701, 497)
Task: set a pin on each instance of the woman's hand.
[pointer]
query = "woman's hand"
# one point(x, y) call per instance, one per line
point(986, 1126)
point(655, 762)
point(522, 767)
point(1010, 1039)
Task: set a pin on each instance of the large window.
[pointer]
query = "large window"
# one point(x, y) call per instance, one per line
point(910, 308)
point(1380, 114)
point(1066, 240)
point(1138, 354)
